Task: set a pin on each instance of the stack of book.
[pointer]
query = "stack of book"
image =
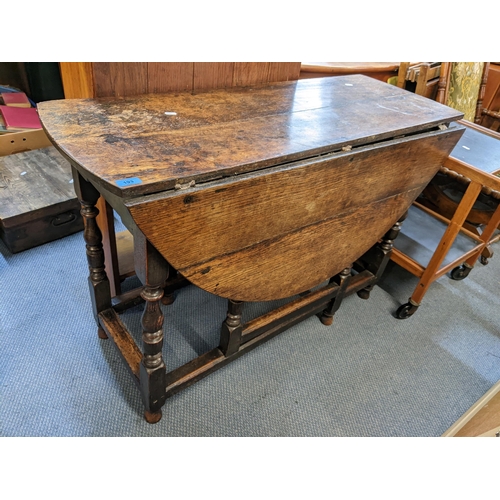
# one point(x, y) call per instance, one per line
point(16, 113)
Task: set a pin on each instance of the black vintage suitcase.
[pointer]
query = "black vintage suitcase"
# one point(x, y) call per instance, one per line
point(37, 199)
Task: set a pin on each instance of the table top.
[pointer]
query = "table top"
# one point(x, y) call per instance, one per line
point(150, 143)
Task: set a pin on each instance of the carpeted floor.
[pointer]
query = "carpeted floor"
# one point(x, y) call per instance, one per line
point(368, 374)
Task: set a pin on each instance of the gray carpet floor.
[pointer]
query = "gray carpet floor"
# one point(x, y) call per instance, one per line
point(368, 374)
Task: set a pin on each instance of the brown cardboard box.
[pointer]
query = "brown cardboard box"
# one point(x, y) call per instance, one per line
point(17, 142)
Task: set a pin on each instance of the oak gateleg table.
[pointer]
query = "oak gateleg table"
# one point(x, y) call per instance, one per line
point(252, 194)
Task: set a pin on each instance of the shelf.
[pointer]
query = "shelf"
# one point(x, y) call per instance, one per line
point(420, 235)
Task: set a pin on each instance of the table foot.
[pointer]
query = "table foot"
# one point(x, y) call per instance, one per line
point(342, 279)
point(363, 294)
point(152, 418)
point(325, 319)
point(168, 299)
point(101, 333)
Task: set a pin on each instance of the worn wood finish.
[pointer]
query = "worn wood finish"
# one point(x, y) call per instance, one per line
point(98, 281)
point(79, 82)
point(230, 338)
point(377, 258)
point(230, 131)
point(222, 239)
point(152, 270)
point(123, 341)
point(105, 221)
point(38, 202)
point(252, 194)
point(41, 226)
point(33, 180)
point(342, 279)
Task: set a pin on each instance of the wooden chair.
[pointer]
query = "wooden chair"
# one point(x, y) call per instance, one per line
point(434, 195)
point(453, 222)
point(491, 103)
point(104, 79)
point(421, 78)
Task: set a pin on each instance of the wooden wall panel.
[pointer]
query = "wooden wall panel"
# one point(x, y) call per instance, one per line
point(249, 73)
point(283, 71)
point(167, 77)
point(117, 79)
point(213, 75)
point(77, 79)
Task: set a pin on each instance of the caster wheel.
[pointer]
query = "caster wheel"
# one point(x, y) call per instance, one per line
point(363, 294)
point(460, 273)
point(484, 261)
point(405, 311)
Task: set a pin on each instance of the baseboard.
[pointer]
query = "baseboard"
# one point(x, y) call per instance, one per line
point(482, 419)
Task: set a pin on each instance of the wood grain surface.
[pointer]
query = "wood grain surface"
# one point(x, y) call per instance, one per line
point(106, 79)
point(270, 235)
point(120, 78)
point(34, 180)
point(226, 132)
point(77, 79)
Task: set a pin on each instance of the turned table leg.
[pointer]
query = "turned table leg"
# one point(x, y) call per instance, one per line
point(169, 298)
point(152, 270)
point(230, 337)
point(377, 258)
point(100, 291)
point(342, 279)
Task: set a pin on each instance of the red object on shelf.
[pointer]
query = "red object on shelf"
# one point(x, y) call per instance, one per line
point(16, 99)
point(20, 118)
